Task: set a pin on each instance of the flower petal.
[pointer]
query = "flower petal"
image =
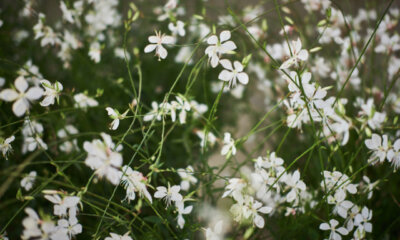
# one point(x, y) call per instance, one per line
point(162, 52)
point(243, 78)
point(238, 66)
point(8, 95)
point(226, 64)
point(20, 107)
point(224, 35)
point(167, 40)
point(34, 93)
point(21, 84)
point(225, 75)
point(150, 48)
point(227, 46)
point(212, 40)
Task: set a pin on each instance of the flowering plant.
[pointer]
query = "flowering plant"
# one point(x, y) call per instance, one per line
point(171, 119)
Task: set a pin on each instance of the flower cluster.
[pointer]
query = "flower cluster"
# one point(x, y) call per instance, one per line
point(135, 148)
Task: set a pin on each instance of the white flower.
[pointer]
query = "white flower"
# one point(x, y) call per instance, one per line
point(46, 33)
point(256, 208)
point(342, 206)
point(62, 205)
point(394, 154)
point(95, 52)
point(219, 46)
point(32, 132)
point(272, 163)
point(33, 142)
point(187, 177)
point(211, 138)
point(170, 194)
point(181, 104)
point(215, 233)
point(68, 146)
point(377, 120)
point(154, 113)
point(182, 210)
point(388, 44)
point(120, 53)
point(297, 54)
point(335, 232)
point(115, 236)
point(28, 181)
point(36, 228)
point(229, 145)
point(67, 14)
point(234, 189)
point(114, 114)
point(31, 73)
point(23, 97)
point(84, 101)
point(156, 44)
point(250, 208)
point(134, 181)
point(362, 219)
point(177, 29)
point(52, 91)
point(68, 228)
point(295, 184)
point(5, 147)
point(350, 219)
point(103, 159)
point(380, 148)
point(369, 186)
point(232, 75)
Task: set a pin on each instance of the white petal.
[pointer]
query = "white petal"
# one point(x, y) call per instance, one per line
point(153, 39)
point(342, 231)
point(212, 40)
point(335, 236)
point(8, 95)
point(114, 124)
point(238, 66)
point(175, 188)
point(243, 78)
point(225, 75)
point(59, 86)
point(167, 40)
point(368, 227)
point(224, 35)
point(20, 107)
point(259, 221)
point(324, 226)
point(226, 64)
point(45, 83)
point(47, 101)
point(228, 46)
point(214, 61)
point(162, 52)
point(297, 45)
point(34, 93)
point(21, 84)
point(352, 188)
point(150, 48)
point(333, 222)
point(111, 112)
point(265, 210)
point(303, 55)
point(159, 194)
point(286, 64)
